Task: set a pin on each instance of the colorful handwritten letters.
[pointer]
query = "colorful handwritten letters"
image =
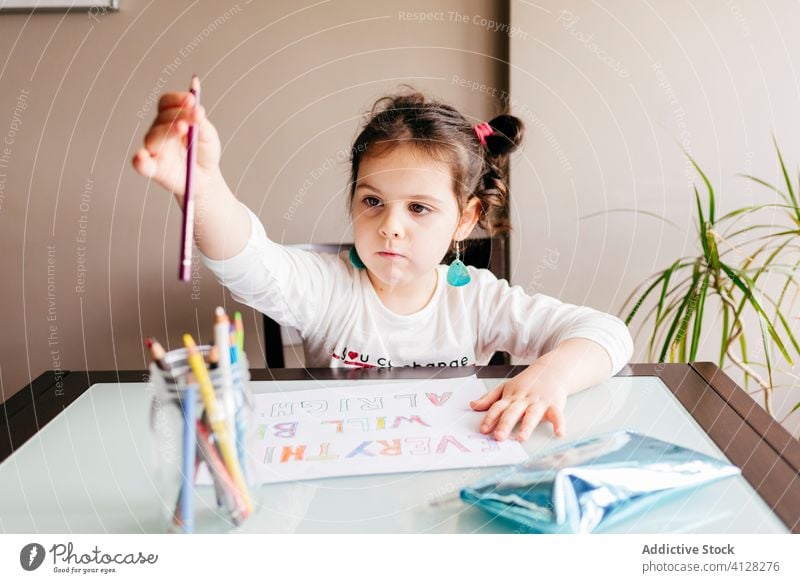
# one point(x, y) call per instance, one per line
point(371, 429)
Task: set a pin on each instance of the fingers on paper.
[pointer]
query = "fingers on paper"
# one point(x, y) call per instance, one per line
point(493, 415)
point(509, 419)
point(533, 416)
point(555, 415)
point(483, 403)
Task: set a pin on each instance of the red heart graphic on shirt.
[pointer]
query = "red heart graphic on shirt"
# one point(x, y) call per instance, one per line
point(352, 355)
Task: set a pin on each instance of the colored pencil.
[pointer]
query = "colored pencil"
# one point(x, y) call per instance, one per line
point(157, 352)
point(240, 403)
point(222, 343)
point(188, 405)
point(187, 234)
point(234, 502)
point(227, 449)
point(239, 327)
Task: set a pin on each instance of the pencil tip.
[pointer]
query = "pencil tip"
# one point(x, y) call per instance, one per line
point(220, 316)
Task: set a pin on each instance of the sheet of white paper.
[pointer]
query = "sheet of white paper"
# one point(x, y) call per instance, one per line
point(414, 426)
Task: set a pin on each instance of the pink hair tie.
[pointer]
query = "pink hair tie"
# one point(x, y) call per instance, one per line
point(483, 130)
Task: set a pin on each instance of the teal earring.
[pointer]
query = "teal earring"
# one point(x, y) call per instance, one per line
point(457, 274)
point(355, 259)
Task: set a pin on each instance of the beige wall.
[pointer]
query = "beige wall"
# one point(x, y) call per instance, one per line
point(612, 90)
point(286, 87)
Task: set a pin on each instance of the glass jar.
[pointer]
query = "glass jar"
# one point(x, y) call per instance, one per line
point(203, 467)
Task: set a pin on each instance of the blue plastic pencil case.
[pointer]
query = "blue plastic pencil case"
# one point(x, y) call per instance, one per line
point(591, 484)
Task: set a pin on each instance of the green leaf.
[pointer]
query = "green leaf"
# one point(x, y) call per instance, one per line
point(693, 303)
point(743, 341)
point(789, 279)
point(668, 344)
point(661, 276)
point(743, 347)
point(758, 252)
point(703, 230)
point(698, 319)
point(677, 290)
point(751, 228)
point(786, 178)
point(770, 186)
point(667, 277)
point(751, 209)
point(682, 348)
point(724, 344)
point(778, 314)
point(635, 211)
point(743, 283)
point(710, 191)
point(782, 233)
point(788, 331)
point(713, 252)
point(642, 298)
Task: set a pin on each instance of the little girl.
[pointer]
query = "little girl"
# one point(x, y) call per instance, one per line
point(422, 177)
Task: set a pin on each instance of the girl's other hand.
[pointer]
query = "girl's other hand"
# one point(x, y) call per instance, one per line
point(535, 394)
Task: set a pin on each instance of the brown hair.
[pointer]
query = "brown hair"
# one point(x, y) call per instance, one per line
point(440, 131)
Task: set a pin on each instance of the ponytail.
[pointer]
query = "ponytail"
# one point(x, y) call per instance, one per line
point(506, 136)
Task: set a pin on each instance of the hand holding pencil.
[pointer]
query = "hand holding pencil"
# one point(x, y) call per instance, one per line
point(165, 153)
point(165, 157)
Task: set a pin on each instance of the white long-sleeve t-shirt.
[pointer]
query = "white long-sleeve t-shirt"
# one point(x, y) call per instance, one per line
point(343, 323)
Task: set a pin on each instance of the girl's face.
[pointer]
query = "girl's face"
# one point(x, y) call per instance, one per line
point(405, 215)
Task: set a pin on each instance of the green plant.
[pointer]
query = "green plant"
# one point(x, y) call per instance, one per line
point(726, 271)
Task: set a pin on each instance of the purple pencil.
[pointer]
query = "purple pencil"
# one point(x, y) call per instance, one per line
point(187, 236)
